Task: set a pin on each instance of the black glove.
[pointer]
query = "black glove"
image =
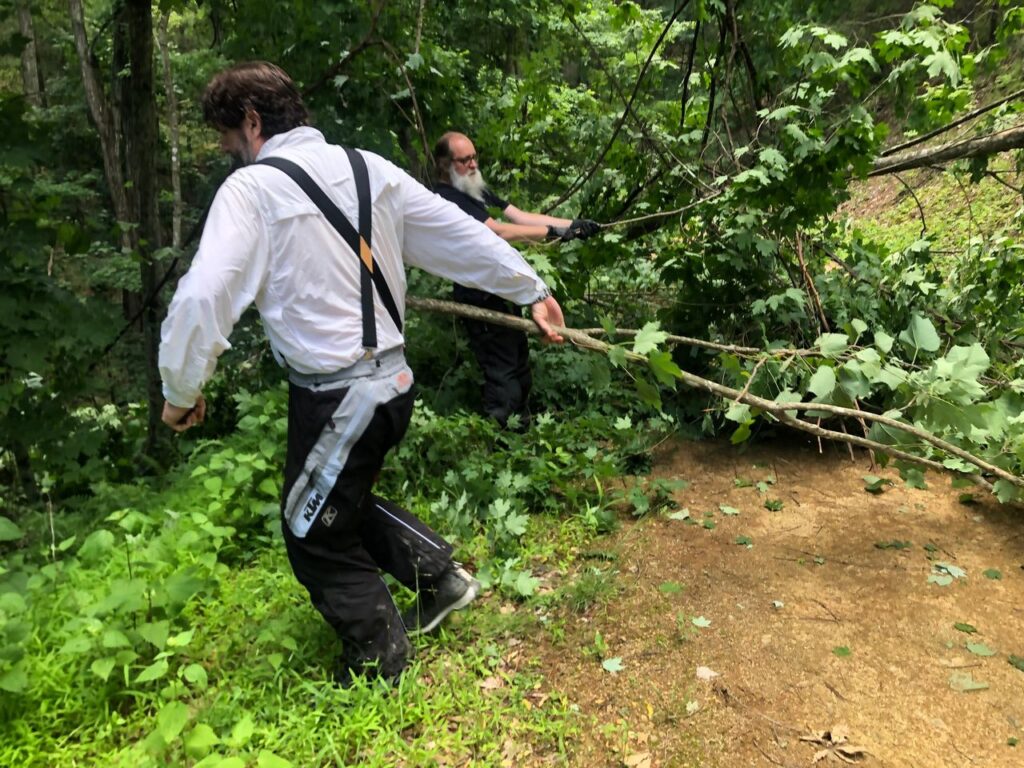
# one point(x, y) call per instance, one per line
point(584, 228)
point(565, 234)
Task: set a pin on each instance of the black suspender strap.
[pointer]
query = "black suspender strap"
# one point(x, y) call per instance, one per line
point(359, 242)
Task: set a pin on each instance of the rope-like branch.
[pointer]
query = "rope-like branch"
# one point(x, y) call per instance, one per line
point(781, 411)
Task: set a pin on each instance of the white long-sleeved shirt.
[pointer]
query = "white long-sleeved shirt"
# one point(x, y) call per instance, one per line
point(266, 242)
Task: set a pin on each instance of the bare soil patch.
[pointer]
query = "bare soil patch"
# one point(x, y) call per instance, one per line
point(825, 622)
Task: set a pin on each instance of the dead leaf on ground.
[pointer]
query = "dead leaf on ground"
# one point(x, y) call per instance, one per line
point(638, 760)
point(492, 683)
point(835, 746)
point(706, 673)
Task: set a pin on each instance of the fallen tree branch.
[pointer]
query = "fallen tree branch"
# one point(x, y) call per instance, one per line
point(781, 411)
point(1011, 138)
point(950, 126)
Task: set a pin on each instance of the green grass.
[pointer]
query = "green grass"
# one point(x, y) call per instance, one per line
point(268, 697)
point(955, 210)
point(170, 631)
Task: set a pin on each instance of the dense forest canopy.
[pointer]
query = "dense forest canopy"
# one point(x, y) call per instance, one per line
point(716, 140)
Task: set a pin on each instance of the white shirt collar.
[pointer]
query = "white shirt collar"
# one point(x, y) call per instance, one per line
point(304, 134)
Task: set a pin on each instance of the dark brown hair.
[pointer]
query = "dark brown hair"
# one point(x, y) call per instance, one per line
point(257, 85)
point(443, 156)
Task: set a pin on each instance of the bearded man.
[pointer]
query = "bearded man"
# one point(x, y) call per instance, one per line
point(502, 353)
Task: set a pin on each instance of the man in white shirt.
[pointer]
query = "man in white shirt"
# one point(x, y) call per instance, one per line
point(281, 233)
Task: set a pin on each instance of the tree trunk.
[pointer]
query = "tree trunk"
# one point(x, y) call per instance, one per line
point(30, 77)
point(102, 113)
point(141, 138)
point(172, 129)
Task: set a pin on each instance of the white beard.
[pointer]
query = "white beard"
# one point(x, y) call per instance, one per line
point(472, 184)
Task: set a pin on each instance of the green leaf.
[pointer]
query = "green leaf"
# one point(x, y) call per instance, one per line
point(181, 639)
point(823, 382)
point(96, 545)
point(171, 720)
point(270, 760)
point(964, 683)
point(182, 585)
point(8, 530)
point(648, 393)
point(832, 344)
point(670, 588)
point(14, 680)
point(115, 638)
point(156, 633)
point(738, 412)
point(741, 433)
point(941, 62)
point(745, 541)
point(700, 622)
point(617, 356)
point(842, 651)
point(1005, 491)
point(788, 396)
point(992, 573)
point(725, 509)
point(195, 674)
point(883, 341)
point(200, 741)
point(103, 667)
point(953, 570)
point(242, 732)
point(920, 335)
point(874, 484)
point(834, 40)
point(648, 338)
point(664, 368)
point(154, 671)
point(613, 665)
point(1016, 662)
point(980, 649)
point(773, 505)
point(526, 585)
point(963, 627)
point(516, 523)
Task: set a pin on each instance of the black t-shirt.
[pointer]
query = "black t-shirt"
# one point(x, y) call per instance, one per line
point(478, 210)
point(470, 205)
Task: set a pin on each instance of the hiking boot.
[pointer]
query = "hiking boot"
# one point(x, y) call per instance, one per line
point(454, 590)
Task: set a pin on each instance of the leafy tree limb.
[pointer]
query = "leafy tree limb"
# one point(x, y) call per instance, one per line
point(782, 411)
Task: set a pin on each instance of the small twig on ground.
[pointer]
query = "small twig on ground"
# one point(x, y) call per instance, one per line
point(834, 691)
point(768, 757)
point(828, 610)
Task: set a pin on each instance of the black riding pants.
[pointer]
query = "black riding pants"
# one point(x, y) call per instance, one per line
point(503, 355)
point(339, 541)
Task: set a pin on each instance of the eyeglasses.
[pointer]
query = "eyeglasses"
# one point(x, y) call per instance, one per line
point(465, 160)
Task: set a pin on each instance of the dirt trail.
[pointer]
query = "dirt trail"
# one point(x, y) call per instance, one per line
point(827, 619)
